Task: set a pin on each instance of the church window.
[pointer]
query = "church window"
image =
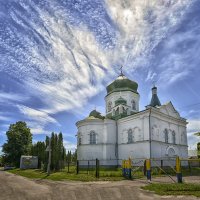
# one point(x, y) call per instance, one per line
point(166, 135)
point(109, 106)
point(173, 137)
point(93, 137)
point(79, 141)
point(133, 105)
point(130, 136)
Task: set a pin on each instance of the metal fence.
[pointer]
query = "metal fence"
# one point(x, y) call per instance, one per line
point(113, 167)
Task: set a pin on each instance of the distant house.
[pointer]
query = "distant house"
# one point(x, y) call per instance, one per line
point(29, 162)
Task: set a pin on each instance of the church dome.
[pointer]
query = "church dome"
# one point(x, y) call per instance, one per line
point(96, 114)
point(122, 83)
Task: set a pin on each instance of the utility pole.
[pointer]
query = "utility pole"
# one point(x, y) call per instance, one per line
point(49, 160)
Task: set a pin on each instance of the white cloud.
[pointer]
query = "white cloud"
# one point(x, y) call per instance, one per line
point(39, 130)
point(69, 146)
point(193, 127)
point(38, 115)
point(151, 75)
point(68, 65)
point(143, 25)
point(4, 118)
point(37, 119)
point(10, 96)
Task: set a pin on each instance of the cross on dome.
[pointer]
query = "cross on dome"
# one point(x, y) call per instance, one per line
point(121, 74)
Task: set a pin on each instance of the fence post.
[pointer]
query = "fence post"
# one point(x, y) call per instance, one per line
point(189, 166)
point(88, 166)
point(129, 168)
point(148, 168)
point(123, 168)
point(77, 167)
point(97, 168)
point(68, 166)
point(145, 168)
point(178, 170)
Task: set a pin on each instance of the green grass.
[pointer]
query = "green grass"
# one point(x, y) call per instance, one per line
point(174, 189)
point(105, 174)
point(114, 175)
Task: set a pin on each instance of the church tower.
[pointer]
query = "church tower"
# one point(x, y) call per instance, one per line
point(154, 99)
point(122, 98)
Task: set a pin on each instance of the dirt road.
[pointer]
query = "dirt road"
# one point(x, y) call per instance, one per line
point(13, 187)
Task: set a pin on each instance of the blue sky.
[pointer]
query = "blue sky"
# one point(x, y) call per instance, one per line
point(57, 56)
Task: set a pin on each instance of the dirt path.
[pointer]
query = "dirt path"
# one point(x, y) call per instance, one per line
point(13, 187)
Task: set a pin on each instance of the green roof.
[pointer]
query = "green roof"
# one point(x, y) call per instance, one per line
point(96, 114)
point(122, 83)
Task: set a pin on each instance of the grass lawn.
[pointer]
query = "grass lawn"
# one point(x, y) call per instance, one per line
point(174, 189)
point(114, 175)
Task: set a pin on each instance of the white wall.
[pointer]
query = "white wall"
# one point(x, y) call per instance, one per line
point(110, 132)
point(127, 95)
point(106, 139)
point(139, 125)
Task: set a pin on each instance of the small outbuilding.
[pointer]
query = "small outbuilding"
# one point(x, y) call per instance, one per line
point(29, 162)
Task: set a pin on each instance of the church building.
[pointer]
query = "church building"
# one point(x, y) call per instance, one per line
point(125, 131)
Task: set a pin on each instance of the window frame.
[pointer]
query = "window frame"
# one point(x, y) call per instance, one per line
point(133, 103)
point(166, 136)
point(130, 136)
point(93, 137)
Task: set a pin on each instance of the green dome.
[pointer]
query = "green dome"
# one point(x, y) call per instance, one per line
point(96, 114)
point(120, 101)
point(122, 83)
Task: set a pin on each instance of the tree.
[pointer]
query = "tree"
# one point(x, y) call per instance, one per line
point(58, 152)
point(38, 149)
point(19, 141)
point(197, 134)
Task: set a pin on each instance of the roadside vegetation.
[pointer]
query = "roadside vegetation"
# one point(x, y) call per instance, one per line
point(84, 175)
point(174, 189)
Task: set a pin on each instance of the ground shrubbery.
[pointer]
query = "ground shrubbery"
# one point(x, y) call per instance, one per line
point(174, 189)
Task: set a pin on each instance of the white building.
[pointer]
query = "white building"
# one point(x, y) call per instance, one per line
point(156, 132)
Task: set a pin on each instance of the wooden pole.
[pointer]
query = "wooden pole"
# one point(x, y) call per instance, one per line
point(49, 161)
point(77, 167)
point(68, 166)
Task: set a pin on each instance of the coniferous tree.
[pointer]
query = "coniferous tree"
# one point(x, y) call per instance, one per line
point(38, 149)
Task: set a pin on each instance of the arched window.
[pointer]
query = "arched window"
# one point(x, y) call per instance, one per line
point(93, 137)
point(173, 137)
point(109, 106)
point(166, 135)
point(130, 136)
point(133, 106)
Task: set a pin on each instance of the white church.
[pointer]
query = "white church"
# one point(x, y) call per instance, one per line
point(126, 132)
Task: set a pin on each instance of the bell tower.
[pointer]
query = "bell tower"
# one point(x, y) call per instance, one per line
point(122, 98)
